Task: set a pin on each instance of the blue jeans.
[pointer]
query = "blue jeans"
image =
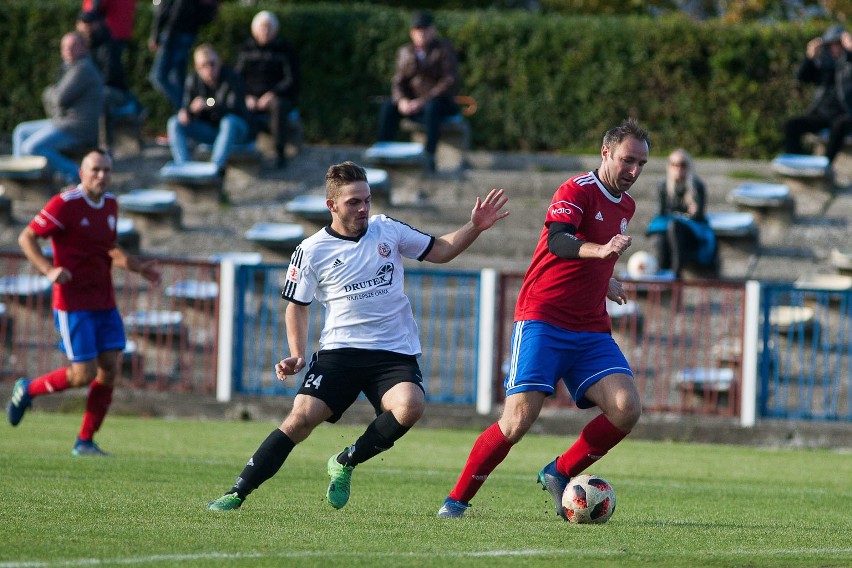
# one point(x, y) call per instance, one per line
point(232, 130)
point(168, 72)
point(42, 138)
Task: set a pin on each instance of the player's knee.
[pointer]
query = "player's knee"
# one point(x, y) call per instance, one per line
point(81, 376)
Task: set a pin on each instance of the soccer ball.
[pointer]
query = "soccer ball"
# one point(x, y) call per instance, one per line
point(642, 264)
point(588, 499)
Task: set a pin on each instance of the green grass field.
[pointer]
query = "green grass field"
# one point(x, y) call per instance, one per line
point(678, 504)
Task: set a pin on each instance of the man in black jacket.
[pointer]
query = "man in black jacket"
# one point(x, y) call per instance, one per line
point(213, 110)
point(268, 66)
point(828, 65)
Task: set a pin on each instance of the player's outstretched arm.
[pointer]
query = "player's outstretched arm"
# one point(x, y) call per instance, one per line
point(483, 216)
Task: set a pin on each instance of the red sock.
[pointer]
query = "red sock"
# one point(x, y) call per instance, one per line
point(54, 381)
point(488, 451)
point(97, 404)
point(597, 438)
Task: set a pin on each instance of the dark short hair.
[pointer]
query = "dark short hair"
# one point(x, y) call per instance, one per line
point(339, 175)
point(88, 17)
point(629, 128)
point(422, 20)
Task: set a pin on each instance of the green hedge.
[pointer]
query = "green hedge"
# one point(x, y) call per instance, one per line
point(544, 83)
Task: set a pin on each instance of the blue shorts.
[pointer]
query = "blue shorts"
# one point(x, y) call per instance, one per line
point(86, 334)
point(543, 353)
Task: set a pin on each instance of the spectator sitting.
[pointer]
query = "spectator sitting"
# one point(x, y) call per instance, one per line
point(268, 67)
point(74, 105)
point(424, 85)
point(828, 65)
point(213, 111)
point(682, 198)
point(106, 53)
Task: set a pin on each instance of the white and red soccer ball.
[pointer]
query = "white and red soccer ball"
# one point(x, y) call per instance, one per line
point(588, 499)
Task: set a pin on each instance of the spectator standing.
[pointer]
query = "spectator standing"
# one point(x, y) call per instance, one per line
point(74, 104)
point(175, 26)
point(106, 53)
point(119, 16)
point(268, 66)
point(369, 342)
point(424, 85)
point(81, 224)
point(828, 65)
point(682, 199)
point(562, 330)
point(213, 110)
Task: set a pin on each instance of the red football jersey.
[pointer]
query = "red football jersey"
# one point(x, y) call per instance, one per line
point(82, 233)
point(571, 293)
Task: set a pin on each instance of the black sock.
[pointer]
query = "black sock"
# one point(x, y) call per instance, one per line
point(378, 437)
point(266, 461)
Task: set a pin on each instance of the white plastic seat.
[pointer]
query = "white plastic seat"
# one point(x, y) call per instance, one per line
point(154, 322)
point(760, 194)
point(237, 257)
point(24, 285)
point(310, 207)
point(193, 290)
point(705, 378)
point(148, 201)
point(190, 173)
point(395, 152)
point(832, 282)
point(800, 165)
point(786, 317)
point(276, 235)
point(732, 224)
point(23, 167)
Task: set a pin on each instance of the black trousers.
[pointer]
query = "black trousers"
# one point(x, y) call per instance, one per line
point(434, 112)
point(274, 121)
point(797, 126)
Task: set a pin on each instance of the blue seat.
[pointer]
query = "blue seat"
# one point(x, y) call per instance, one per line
point(310, 207)
point(191, 173)
point(148, 201)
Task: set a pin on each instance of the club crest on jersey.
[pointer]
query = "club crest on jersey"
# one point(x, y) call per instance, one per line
point(623, 226)
point(292, 274)
point(384, 250)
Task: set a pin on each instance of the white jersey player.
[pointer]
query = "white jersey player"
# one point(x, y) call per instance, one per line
point(369, 343)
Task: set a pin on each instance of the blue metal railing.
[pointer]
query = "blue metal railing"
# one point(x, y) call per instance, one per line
point(805, 359)
point(445, 306)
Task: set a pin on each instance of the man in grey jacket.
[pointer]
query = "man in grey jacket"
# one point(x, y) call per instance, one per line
point(74, 105)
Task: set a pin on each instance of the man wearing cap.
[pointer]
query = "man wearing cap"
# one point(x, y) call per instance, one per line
point(828, 66)
point(424, 85)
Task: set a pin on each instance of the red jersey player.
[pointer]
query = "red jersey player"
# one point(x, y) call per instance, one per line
point(562, 330)
point(81, 222)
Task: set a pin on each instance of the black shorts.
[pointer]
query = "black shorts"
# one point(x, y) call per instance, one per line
point(338, 376)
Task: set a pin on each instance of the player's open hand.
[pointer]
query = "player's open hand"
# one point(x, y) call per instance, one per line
point(289, 366)
point(488, 211)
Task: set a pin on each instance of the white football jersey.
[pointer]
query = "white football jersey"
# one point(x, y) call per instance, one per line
point(360, 284)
